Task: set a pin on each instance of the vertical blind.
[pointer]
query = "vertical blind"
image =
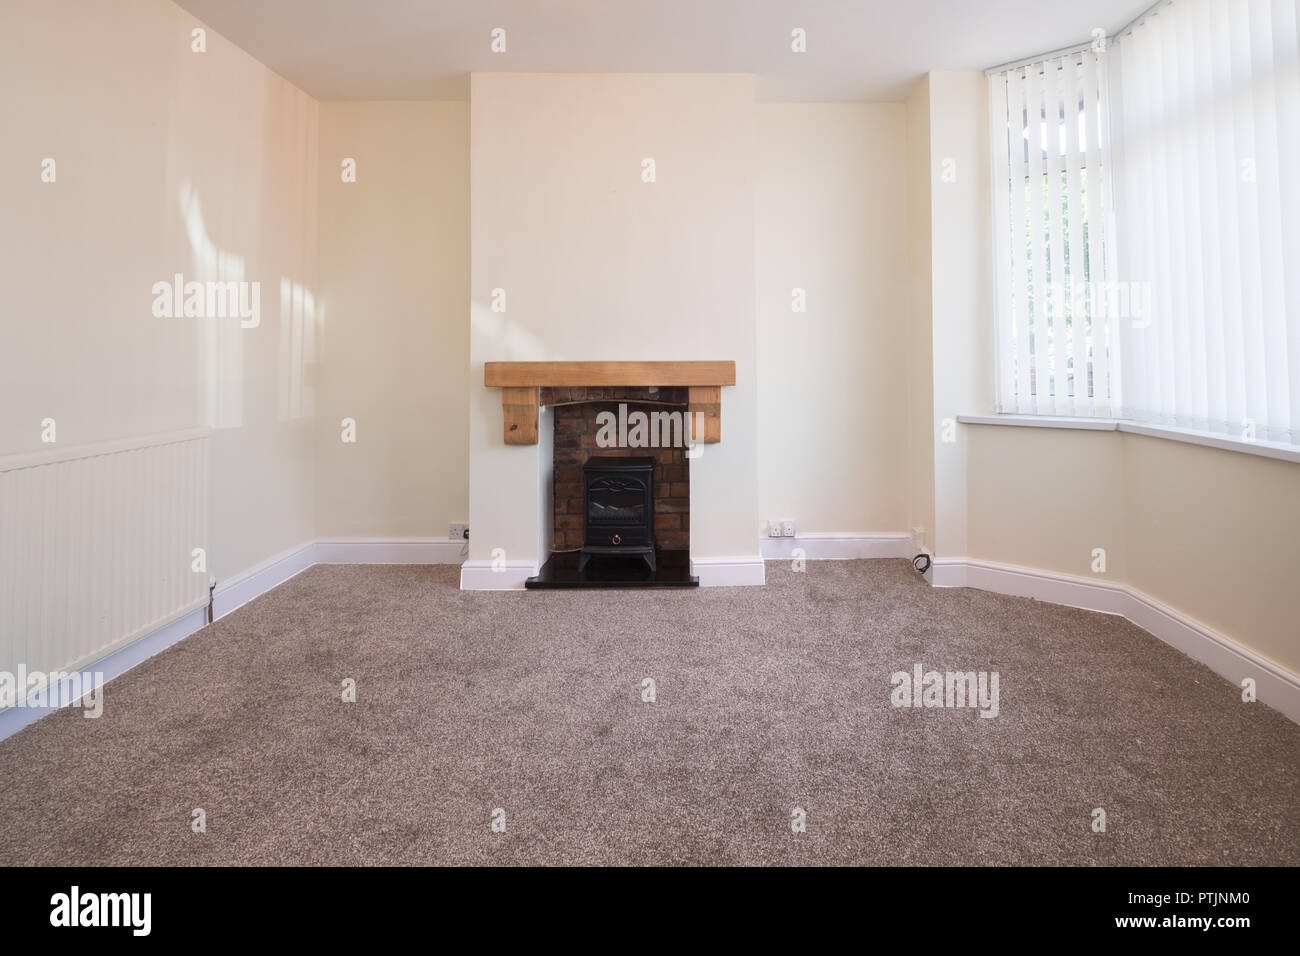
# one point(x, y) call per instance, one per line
point(1206, 106)
point(1049, 130)
point(1185, 290)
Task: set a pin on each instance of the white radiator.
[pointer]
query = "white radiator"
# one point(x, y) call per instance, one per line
point(96, 547)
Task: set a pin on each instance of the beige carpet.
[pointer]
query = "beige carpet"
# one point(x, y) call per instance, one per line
point(767, 700)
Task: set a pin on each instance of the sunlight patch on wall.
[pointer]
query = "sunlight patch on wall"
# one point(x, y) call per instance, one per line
point(298, 334)
point(221, 344)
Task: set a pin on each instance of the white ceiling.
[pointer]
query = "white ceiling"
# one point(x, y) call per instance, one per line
point(857, 49)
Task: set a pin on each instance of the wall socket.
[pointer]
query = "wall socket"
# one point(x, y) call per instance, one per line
point(778, 528)
point(787, 529)
point(457, 532)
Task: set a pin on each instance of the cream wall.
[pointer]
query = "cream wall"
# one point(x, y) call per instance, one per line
point(961, 290)
point(918, 318)
point(1046, 497)
point(1216, 534)
point(829, 212)
point(1208, 532)
point(597, 264)
point(167, 161)
point(394, 329)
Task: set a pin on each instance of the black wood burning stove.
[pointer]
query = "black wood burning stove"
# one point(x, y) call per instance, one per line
point(618, 508)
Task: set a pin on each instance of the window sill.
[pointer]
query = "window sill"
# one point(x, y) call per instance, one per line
point(1263, 449)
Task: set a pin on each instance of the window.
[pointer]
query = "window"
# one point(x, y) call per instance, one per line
point(1189, 310)
point(1050, 170)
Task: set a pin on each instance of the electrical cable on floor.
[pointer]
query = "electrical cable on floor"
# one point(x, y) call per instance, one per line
point(922, 557)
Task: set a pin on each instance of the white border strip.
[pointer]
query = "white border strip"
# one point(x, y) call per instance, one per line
point(239, 590)
point(390, 551)
point(481, 575)
point(1274, 684)
point(733, 571)
point(1043, 421)
point(838, 547)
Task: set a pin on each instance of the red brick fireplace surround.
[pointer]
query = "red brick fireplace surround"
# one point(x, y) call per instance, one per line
point(575, 412)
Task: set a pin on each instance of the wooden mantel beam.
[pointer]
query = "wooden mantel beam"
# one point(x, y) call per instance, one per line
point(520, 384)
point(609, 374)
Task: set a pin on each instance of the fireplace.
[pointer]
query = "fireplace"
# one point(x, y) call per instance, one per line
point(666, 412)
point(576, 414)
point(618, 508)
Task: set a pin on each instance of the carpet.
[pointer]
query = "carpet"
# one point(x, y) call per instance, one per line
point(766, 702)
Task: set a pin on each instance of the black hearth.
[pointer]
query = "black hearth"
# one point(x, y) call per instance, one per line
point(618, 509)
point(618, 541)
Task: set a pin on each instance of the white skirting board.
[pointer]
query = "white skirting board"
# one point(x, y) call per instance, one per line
point(735, 571)
point(1274, 684)
point(839, 547)
point(490, 575)
point(14, 719)
point(241, 589)
point(390, 551)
